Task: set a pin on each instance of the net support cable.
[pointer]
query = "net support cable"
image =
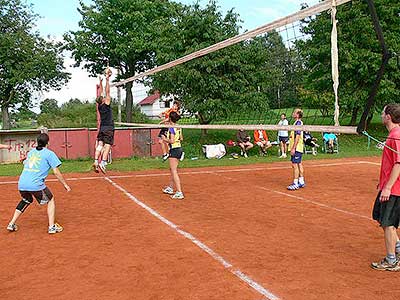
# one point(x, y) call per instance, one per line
point(318, 8)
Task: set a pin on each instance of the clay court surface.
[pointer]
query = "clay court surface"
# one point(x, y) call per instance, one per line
point(238, 235)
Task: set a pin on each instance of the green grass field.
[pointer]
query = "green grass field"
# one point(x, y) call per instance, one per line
point(349, 146)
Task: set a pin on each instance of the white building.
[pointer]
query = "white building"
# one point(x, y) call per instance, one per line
point(153, 105)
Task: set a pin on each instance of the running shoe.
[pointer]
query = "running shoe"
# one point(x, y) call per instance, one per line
point(178, 195)
point(384, 265)
point(165, 157)
point(95, 167)
point(293, 187)
point(301, 185)
point(12, 227)
point(55, 228)
point(102, 168)
point(168, 190)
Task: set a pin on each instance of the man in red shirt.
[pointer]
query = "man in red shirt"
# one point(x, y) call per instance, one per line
point(387, 204)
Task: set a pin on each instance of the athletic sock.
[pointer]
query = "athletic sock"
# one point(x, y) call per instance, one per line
point(104, 162)
point(96, 162)
point(391, 258)
point(296, 182)
point(398, 246)
point(301, 180)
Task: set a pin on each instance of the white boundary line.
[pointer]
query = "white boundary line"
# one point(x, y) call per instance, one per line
point(317, 203)
point(203, 172)
point(371, 163)
point(304, 199)
point(250, 282)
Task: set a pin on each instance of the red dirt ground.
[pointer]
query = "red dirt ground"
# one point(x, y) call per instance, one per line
point(315, 243)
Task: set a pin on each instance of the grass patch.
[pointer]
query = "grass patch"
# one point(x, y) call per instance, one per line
point(349, 146)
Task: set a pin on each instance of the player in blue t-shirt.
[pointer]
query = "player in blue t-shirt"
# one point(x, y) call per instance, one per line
point(31, 183)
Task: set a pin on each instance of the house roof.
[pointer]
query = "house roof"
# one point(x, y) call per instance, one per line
point(150, 99)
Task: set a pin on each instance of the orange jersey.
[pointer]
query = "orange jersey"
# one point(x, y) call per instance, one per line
point(168, 111)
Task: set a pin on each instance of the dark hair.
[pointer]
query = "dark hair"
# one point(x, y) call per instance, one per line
point(299, 112)
point(178, 103)
point(42, 141)
point(174, 116)
point(283, 114)
point(99, 99)
point(393, 110)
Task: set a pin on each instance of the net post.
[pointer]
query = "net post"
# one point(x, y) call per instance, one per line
point(119, 99)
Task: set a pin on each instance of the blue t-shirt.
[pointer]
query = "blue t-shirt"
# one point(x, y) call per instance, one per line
point(36, 168)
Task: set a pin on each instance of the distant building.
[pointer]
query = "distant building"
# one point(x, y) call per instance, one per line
point(153, 105)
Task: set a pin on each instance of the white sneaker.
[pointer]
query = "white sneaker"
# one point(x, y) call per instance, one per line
point(245, 155)
point(102, 167)
point(178, 195)
point(12, 227)
point(55, 228)
point(168, 190)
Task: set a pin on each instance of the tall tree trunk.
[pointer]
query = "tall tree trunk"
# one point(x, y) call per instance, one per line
point(203, 121)
point(354, 115)
point(5, 117)
point(386, 55)
point(369, 119)
point(129, 102)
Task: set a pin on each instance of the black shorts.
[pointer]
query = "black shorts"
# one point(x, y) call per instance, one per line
point(309, 142)
point(106, 136)
point(42, 197)
point(163, 132)
point(175, 153)
point(387, 213)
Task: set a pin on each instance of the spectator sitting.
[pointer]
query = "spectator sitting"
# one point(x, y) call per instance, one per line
point(261, 139)
point(330, 140)
point(243, 141)
point(309, 140)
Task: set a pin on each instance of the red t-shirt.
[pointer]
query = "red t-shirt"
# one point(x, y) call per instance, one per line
point(389, 159)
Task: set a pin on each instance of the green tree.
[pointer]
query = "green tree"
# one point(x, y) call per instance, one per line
point(359, 56)
point(49, 106)
point(28, 62)
point(76, 113)
point(126, 34)
point(221, 83)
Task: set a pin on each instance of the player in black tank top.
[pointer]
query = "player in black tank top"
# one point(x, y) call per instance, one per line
point(105, 137)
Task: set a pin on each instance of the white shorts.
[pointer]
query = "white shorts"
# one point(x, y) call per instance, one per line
point(262, 143)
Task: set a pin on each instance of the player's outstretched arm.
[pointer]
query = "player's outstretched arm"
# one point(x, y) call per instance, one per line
point(61, 179)
point(107, 100)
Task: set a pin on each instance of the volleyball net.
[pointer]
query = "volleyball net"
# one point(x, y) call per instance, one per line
point(249, 80)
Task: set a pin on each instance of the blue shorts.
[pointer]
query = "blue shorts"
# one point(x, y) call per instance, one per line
point(296, 158)
point(283, 139)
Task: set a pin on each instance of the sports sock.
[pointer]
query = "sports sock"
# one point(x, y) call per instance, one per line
point(398, 246)
point(391, 258)
point(96, 162)
point(301, 180)
point(104, 162)
point(296, 181)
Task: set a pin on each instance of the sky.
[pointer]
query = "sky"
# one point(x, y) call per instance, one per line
point(60, 16)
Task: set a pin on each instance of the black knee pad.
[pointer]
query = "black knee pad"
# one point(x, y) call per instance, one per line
point(23, 204)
